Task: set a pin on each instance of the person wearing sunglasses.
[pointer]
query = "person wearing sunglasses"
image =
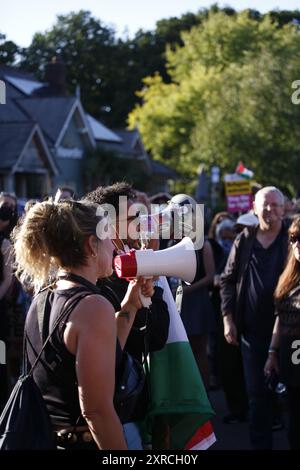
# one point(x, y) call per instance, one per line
point(284, 351)
point(151, 326)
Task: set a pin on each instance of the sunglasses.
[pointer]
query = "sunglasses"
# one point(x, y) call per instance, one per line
point(294, 239)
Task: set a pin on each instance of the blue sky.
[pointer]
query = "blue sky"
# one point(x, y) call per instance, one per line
point(20, 19)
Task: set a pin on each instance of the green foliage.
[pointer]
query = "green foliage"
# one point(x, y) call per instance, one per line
point(229, 99)
point(8, 51)
point(109, 71)
point(85, 46)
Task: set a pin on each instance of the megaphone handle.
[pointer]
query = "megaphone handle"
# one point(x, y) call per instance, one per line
point(146, 301)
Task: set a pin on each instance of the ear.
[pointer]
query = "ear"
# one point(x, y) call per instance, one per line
point(91, 243)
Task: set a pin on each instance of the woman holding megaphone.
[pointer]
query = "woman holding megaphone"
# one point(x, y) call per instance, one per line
point(77, 373)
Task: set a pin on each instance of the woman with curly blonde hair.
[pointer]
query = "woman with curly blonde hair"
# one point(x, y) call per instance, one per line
point(76, 375)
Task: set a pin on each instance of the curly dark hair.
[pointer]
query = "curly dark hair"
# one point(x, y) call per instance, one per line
point(111, 194)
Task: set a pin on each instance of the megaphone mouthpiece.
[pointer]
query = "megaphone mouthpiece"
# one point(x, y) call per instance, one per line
point(126, 265)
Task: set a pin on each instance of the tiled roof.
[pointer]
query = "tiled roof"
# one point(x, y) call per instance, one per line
point(101, 132)
point(50, 113)
point(13, 137)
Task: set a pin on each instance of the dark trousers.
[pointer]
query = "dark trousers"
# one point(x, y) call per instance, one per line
point(294, 418)
point(199, 347)
point(232, 377)
point(260, 400)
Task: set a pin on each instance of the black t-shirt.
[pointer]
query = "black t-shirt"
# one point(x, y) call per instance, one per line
point(264, 269)
point(288, 310)
point(55, 374)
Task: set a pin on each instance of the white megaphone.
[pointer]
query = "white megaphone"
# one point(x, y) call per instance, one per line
point(178, 261)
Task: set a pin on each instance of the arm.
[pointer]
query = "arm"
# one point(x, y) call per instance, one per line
point(129, 306)
point(228, 280)
point(7, 267)
point(228, 293)
point(272, 361)
point(209, 268)
point(91, 335)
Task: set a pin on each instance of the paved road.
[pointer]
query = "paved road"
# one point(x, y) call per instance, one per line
point(235, 436)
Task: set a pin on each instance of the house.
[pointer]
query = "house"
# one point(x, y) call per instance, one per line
point(45, 137)
point(44, 134)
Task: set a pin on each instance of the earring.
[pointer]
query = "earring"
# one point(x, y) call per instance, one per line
point(94, 255)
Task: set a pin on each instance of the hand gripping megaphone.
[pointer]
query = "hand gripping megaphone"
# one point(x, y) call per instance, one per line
point(178, 261)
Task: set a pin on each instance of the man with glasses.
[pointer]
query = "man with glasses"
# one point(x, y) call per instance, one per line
point(248, 282)
point(151, 327)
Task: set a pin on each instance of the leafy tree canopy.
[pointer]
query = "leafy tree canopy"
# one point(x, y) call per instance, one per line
point(229, 99)
point(8, 51)
point(110, 70)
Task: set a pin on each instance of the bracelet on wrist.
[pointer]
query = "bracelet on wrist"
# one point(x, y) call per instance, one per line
point(272, 350)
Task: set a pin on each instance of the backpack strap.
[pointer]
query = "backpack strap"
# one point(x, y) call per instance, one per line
point(103, 289)
point(67, 309)
point(43, 310)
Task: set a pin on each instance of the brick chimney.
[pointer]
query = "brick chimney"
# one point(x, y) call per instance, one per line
point(55, 76)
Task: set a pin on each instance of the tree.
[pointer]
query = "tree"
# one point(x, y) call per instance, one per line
point(87, 47)
point(109, 71)
point(229, 99)
point(8, 51)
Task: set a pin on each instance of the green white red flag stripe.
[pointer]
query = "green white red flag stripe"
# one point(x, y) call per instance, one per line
point(177, 390)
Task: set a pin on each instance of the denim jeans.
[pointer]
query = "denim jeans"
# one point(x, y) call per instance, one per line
point(254, 356)
point(132, 436)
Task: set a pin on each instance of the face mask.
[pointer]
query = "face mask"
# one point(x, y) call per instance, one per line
point(6, 213)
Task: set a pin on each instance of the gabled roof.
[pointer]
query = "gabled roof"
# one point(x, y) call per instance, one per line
point(50, 113)
point(130, 144)
point(85, 130)
point(11, 111)
point(14, 139)
point(53, 115)
point(101, 132)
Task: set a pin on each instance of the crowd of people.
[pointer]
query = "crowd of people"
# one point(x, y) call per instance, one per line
point(248, 275)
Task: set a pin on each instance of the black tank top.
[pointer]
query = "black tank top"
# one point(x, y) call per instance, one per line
point(55, 374)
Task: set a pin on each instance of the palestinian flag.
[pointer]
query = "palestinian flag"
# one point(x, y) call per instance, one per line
point(243, 171)
point(177, 391)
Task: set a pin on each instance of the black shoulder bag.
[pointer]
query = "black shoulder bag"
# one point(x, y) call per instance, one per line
point(130, 375)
